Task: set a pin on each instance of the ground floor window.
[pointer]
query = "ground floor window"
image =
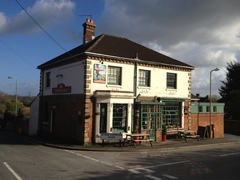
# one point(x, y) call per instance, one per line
point(172, 113)
point(119, 117)
point(103, 117)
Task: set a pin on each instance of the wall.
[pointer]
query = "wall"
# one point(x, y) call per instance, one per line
point(34, 115)
point(66, 113)
point(72, 75)
point(204, 120)
point(232, 127)
point(157, 84)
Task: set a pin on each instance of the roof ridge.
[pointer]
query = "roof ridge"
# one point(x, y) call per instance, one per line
point(98, 39)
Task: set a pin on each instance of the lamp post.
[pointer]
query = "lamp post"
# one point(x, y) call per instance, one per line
point(10, 77)
point(210, 99)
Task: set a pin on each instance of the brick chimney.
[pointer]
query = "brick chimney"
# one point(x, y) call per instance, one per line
point(88, 31)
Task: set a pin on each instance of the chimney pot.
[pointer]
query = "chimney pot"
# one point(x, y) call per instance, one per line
point(88, 31)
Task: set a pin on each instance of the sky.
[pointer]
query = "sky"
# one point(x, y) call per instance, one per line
point(201, 33)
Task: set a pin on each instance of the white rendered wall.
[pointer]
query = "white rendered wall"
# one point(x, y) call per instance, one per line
point(157, 84)
point(72, 75)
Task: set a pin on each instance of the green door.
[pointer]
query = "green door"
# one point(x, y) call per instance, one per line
point(152, 126)
point(151, 118)
point(148, 124)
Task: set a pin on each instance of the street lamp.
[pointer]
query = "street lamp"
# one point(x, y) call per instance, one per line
point(10, 77)
point(210, 99)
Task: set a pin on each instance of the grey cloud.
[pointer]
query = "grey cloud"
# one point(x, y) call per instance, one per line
point(202, 33)
point(46, 13)
point(170, 22)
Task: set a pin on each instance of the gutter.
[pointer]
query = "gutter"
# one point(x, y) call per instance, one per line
point(54, 62)
point(136, 60)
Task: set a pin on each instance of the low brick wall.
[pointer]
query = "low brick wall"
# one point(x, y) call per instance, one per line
point(204, 120)
point(232, 127)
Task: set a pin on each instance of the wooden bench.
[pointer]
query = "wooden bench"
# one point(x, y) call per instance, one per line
point(192, 136)
point(134, 141)
point(188, 134)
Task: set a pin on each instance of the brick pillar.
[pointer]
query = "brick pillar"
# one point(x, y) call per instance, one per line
point(88, 105)
point(189, 97)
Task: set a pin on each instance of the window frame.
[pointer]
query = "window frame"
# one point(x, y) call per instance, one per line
point(144, 77)
point(48, 79)
point(208, 109)
point(214, 108)
point(119, 117)
point(114, 75)
point(171, 80)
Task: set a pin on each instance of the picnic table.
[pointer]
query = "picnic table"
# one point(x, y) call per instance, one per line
point(185, 134)
point(138, 138)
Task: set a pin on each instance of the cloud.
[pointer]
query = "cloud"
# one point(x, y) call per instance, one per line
point(204, 34)
point(3, 21)
point(47, 13)
point(178, 25)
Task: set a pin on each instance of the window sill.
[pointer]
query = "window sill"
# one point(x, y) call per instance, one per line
point(144, 87)
point(113, 86)
point(171, 89)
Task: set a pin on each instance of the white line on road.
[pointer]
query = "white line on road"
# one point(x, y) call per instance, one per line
point(166, 164)
point(87, 157)
point(169, 176)
point(12, 171)
point(230, 154)
point(153, 177)
point(134, 171)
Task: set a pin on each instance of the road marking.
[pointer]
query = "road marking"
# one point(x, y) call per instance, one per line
point(134, 171)
point(159, 165)
point(12, 171)
point(153, 177)
point(230, 154)
point(169, 176)
point(87, 157)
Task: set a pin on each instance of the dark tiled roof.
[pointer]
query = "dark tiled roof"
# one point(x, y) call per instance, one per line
point(108, 45)
point(193, 97)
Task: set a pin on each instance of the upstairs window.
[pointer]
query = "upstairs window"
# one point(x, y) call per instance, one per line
point(114, 75)
point(48, 79)
point(208, 109)
point(214, 108)
point(144, 78)
point(171, 81)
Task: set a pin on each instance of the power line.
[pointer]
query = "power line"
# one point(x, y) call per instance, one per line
point(46, 31)
point(17, 53)
point(40, 26)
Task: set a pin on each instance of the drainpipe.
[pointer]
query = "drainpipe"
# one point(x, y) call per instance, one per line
point(136, 117)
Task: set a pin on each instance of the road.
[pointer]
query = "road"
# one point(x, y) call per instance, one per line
point(21, 159)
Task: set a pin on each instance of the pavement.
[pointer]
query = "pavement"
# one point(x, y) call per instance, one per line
point(169, 144)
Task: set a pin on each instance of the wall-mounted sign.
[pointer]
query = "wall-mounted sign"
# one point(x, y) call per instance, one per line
point(99, 73)
point(61, 88)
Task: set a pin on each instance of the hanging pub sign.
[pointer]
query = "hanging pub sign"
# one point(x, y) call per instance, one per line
point(61, 88)
point(99, 73)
